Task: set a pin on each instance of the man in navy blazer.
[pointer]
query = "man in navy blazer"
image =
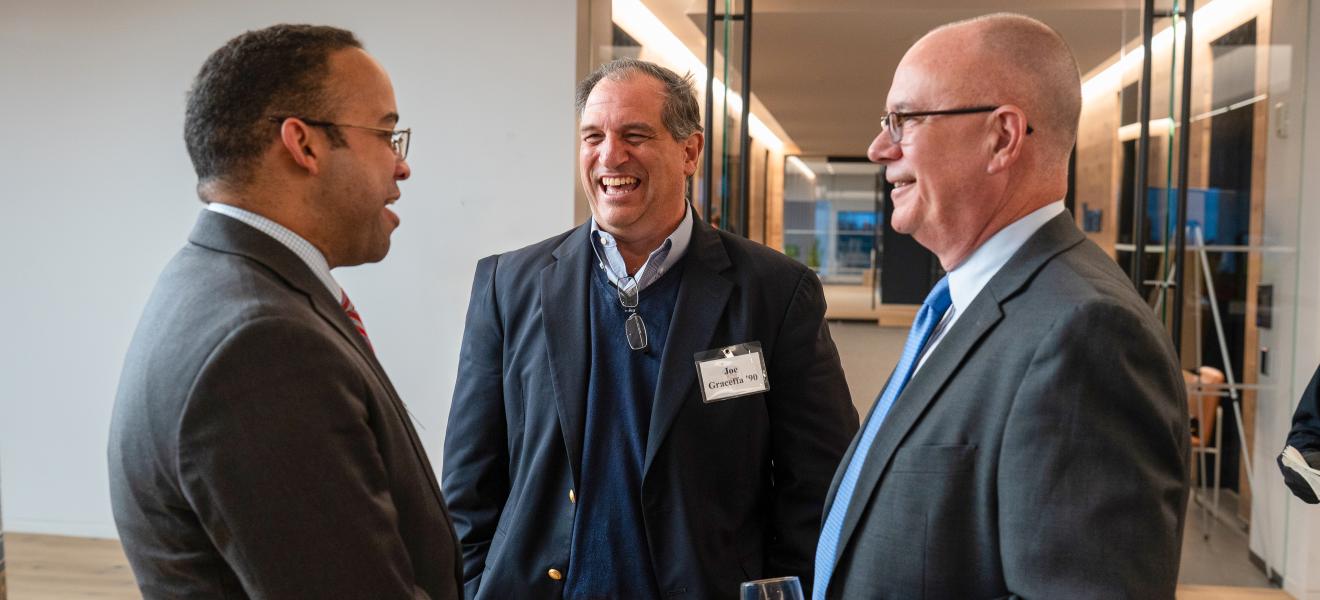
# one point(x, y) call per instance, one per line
point(586, 456)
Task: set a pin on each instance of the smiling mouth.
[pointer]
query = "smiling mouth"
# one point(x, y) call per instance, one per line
point(616, 186)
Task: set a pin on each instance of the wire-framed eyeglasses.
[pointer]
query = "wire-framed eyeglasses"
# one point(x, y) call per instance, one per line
point(399, 139)
point(893, 121)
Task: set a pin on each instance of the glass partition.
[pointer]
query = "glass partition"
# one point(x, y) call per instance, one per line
point(833, 223)
point(1239, 181)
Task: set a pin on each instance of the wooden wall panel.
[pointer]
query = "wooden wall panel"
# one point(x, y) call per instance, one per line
point(1097, 167)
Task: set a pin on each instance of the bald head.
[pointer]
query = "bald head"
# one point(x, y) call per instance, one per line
point(983, 116)
point(1014, 59)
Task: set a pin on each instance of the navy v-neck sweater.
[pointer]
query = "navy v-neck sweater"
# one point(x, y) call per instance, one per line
point(609, 557)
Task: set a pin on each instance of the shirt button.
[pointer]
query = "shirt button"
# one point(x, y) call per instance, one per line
point(572, 497)
point(555, 574)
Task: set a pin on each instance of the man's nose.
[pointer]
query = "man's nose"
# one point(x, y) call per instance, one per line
point(883, 149)
point(401, 170)
point(613, 152)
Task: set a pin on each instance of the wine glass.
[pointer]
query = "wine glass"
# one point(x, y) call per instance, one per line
point(779, 588)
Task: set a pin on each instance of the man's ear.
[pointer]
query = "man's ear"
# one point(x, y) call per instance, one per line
point(301, 146)
point(1009, 134)
point(691, 151)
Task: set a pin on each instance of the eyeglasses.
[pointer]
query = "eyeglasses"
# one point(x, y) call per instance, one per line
point(399, 140)
point(633, 328)
point(893, 121)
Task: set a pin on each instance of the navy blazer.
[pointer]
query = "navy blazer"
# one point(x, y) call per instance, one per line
point(731, 490)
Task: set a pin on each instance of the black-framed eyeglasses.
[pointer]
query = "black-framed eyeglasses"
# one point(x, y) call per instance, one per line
point(893, 121)
point(634, 327)
point(399, 139)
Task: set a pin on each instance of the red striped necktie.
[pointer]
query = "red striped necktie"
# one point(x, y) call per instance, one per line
point(353, 316)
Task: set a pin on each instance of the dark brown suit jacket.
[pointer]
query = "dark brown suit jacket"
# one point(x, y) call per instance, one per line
point(257, 448)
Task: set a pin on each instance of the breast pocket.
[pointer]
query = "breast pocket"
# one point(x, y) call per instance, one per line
point(934, 459)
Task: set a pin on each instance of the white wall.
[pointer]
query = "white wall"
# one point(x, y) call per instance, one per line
point(98, 194)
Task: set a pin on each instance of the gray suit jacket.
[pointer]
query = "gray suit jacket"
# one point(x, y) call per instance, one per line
point(257, 448)
point(1040, 452)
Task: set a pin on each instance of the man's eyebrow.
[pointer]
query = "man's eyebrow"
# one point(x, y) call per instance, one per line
point(644, 127)
point(638, 127)
point(390, 118)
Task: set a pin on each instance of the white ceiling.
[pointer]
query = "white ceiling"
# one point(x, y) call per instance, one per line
point(822, 67)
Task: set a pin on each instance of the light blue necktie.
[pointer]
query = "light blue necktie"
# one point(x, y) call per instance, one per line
point(932, 310)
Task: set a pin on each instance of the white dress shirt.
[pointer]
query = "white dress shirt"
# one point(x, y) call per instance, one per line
point(301, 247)
point(968, 279)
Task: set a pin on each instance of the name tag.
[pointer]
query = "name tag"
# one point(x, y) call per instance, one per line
point(732, 371)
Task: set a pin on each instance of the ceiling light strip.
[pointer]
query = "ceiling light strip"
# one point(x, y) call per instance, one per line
point(802, 167)
point(1213, 17)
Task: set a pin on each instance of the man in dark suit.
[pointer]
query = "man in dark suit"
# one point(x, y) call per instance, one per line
point(594, 449)
point(1032, 441)
point(257, 448)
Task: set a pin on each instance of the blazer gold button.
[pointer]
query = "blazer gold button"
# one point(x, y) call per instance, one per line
point(555, 574)
point(572, 497)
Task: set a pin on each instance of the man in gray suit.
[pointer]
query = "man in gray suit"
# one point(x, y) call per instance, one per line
point(1032, 441)
point(257, 447)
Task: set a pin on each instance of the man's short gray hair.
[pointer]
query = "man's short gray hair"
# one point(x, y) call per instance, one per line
point(681, 113)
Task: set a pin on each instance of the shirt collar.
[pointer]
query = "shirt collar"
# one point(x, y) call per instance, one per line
point(667, 254)
point(967, 280)
point(294, 242)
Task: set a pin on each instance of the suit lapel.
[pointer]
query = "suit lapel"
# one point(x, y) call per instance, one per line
point(229, 235)
point(331, 311)
point(834, 483)
point(225, 234)
point(1057, 235)
point(847, 458)
point(565, 321)
point(702, 295)
point(981, 316)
